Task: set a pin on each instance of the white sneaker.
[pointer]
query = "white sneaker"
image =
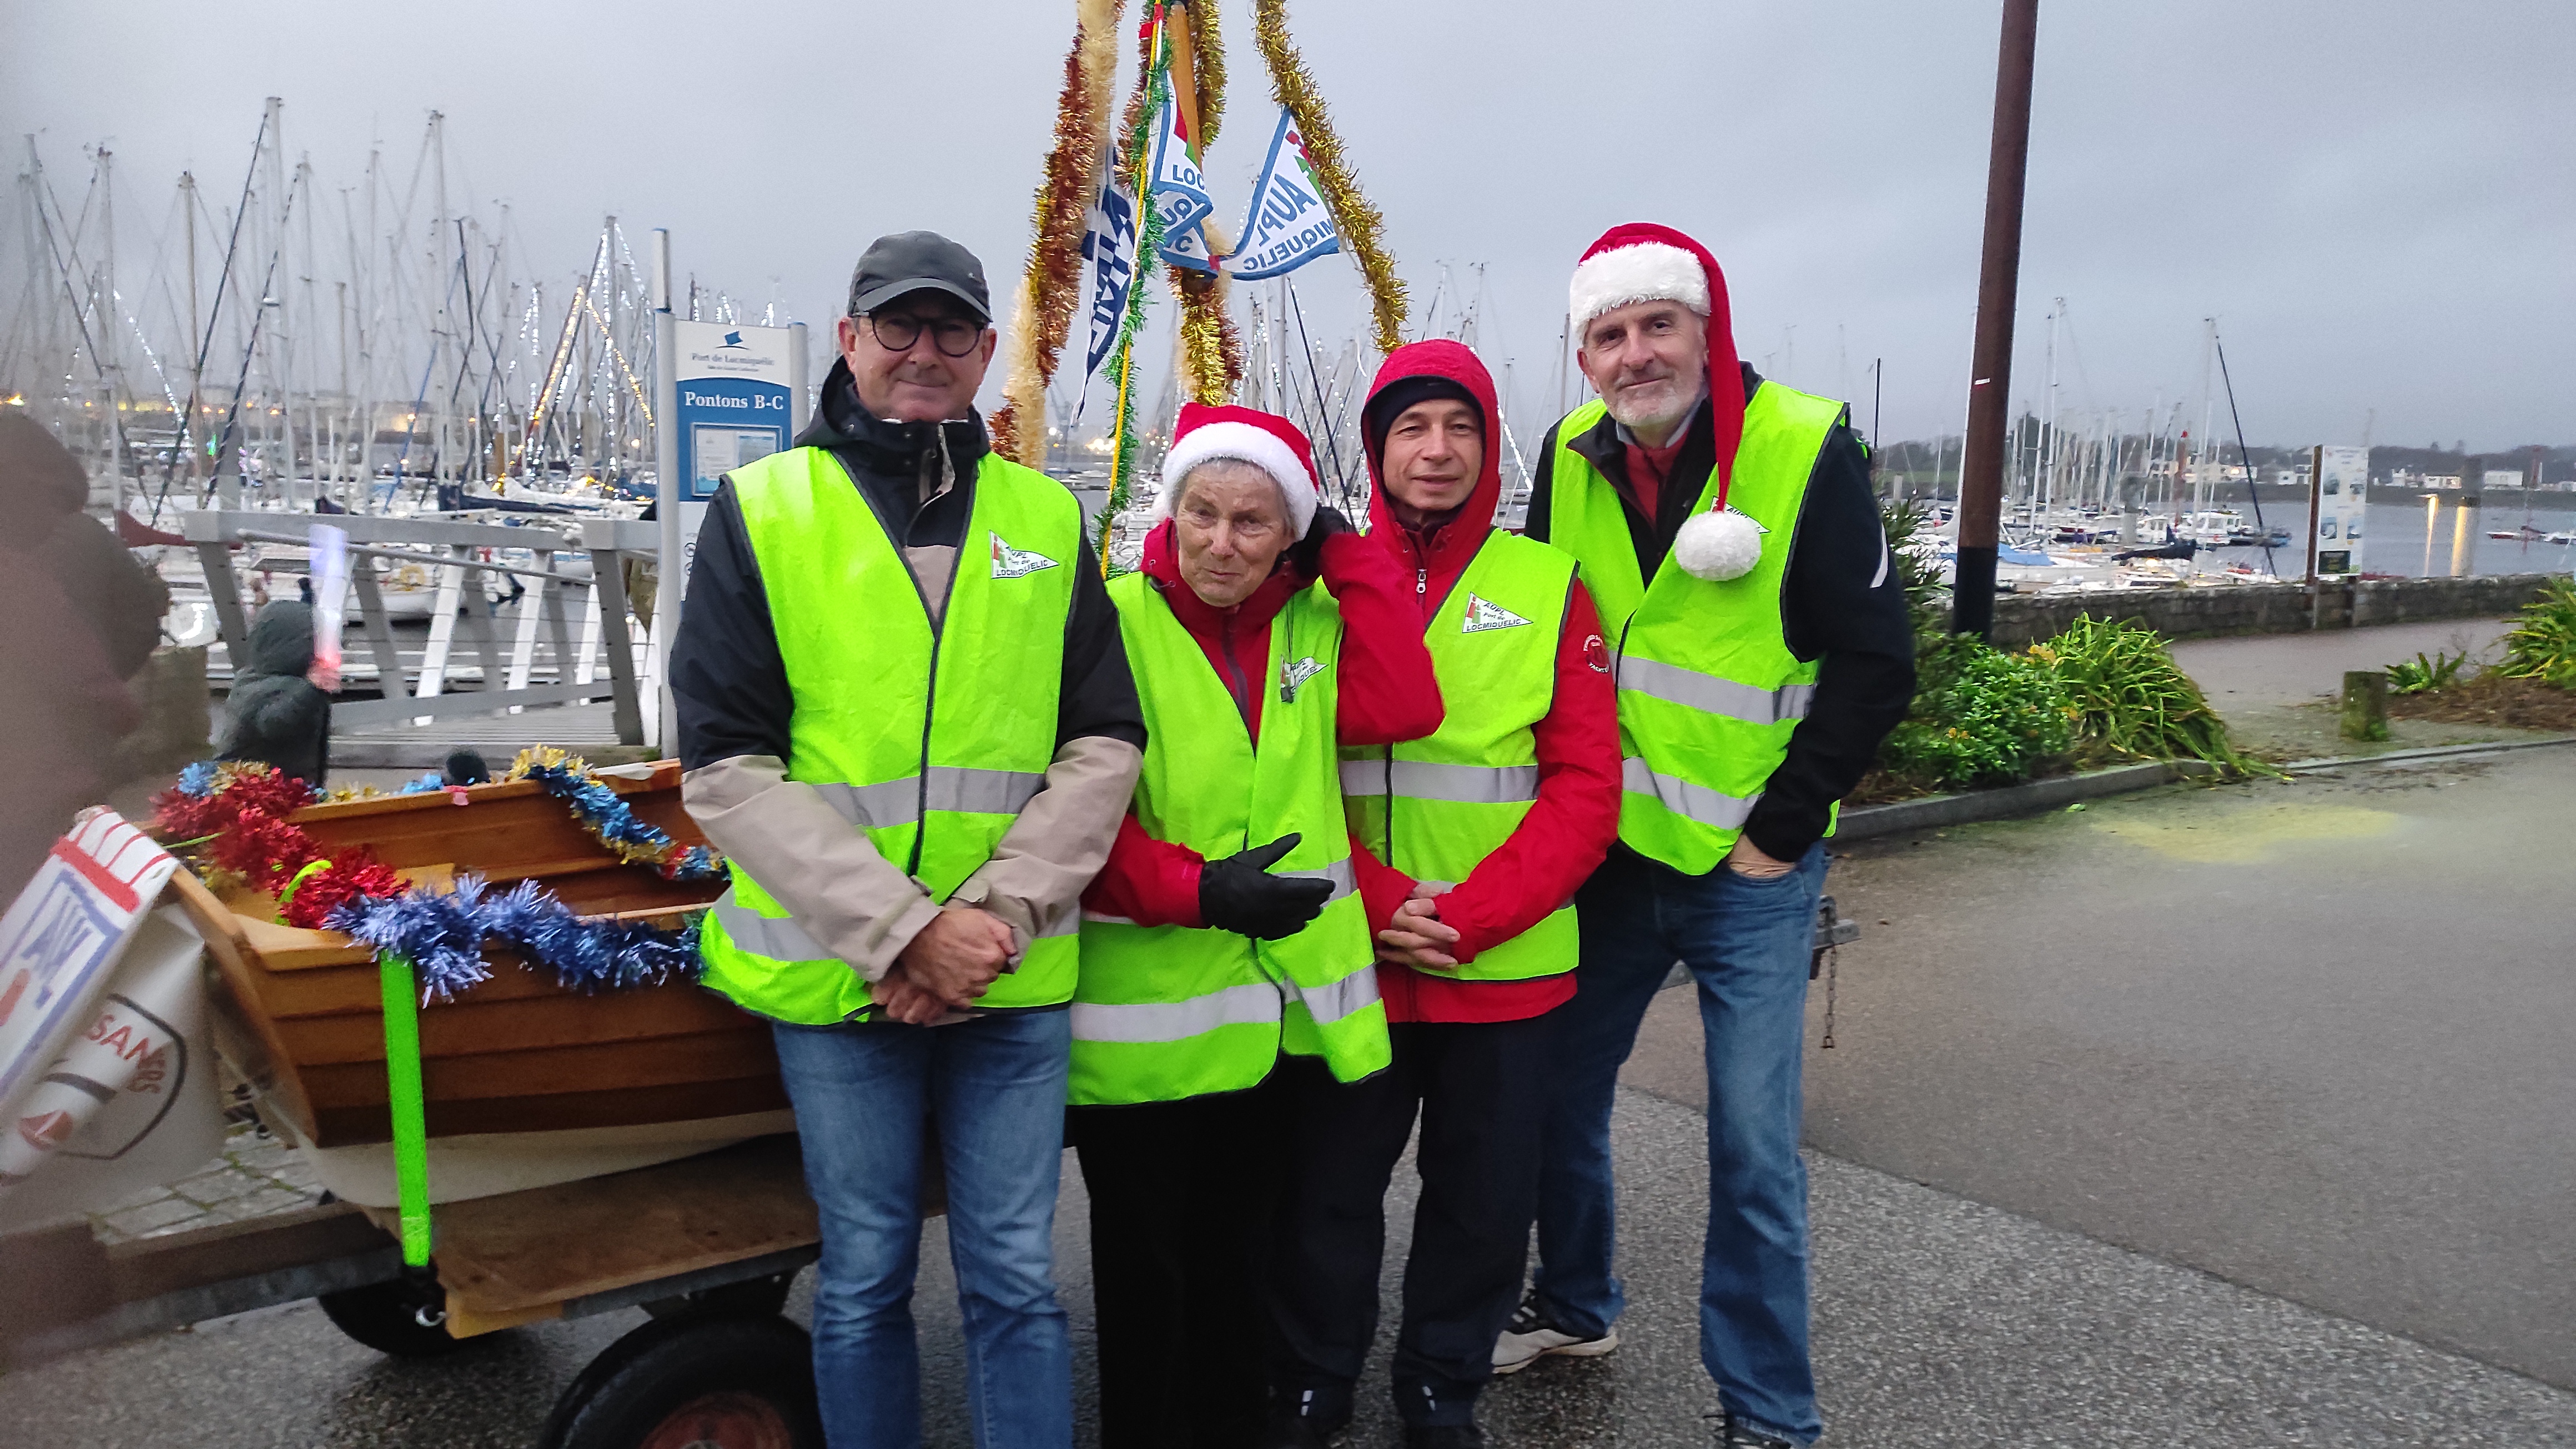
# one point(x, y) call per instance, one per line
point(1532, 1336)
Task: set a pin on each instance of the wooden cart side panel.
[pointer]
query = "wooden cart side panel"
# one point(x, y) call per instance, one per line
point(244, 1034)
point(672, 1102)
point(473, 1026)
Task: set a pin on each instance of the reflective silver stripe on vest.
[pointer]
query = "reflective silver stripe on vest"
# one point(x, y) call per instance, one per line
point(1696, 802)
point(874, 807)
point(1344, 879)
point(1711, 695)
point(1424, 780)
point(898, 802)
point(1103, 918)
point(982, 792)
point(1253, 1003)
point(1329, 1004)
point(776, 937)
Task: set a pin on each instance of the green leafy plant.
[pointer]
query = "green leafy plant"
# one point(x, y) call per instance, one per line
point(2542, 643)
point(2128, 693)
point(1980, 717)
point(1926, 597)
point(2416, 675)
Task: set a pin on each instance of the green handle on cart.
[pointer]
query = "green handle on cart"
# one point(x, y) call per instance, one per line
point(411, 1126)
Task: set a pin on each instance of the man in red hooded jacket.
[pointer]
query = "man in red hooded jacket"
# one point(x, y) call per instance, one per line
point(1469, 845)
point(1181, 1190)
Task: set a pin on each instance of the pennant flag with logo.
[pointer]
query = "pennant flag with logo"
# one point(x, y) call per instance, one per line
point(1189, 248)
point(1109, 262)
point(1484, 614)
point(1289, 225)
point(1179, 191)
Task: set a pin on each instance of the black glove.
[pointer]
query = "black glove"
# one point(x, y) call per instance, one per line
point(1239, 893)
point(1306, 555)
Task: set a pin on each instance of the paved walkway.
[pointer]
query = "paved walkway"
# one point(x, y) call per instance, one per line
point(2260, 669)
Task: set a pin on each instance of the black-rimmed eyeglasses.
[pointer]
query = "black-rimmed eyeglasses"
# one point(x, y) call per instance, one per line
point(898, 331)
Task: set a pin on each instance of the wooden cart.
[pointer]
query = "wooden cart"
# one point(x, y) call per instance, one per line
point(708, 1245)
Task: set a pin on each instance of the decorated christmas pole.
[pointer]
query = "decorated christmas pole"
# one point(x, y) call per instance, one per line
point(1051, 288)
point(1211, 351)
point(1142, 110)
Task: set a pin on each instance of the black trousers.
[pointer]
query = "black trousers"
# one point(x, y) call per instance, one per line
point(1182, 1198)
point(1480, 1089)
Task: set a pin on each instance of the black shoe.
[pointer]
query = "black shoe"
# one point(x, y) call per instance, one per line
point(1292, 1427)
point(1733, 1433)
point(1443, 1436)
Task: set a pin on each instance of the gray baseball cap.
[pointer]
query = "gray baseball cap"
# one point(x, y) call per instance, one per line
point(918, 261)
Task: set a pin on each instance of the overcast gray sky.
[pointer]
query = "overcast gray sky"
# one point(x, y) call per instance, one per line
point(2377, 200)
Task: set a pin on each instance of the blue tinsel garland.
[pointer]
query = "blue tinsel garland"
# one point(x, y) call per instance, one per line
point(617, 826)
point(444, 935)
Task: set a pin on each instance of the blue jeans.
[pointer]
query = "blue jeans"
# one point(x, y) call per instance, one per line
point(1747, 944)
point(995, 1088)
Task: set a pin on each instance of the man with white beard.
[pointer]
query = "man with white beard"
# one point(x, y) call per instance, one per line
point(1727, 528)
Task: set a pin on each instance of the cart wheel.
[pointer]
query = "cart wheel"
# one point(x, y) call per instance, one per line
point(694, 1383)
point(397, 1317)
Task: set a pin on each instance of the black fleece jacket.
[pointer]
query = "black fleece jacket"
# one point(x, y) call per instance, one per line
point(1841, 601)
point(728, 676)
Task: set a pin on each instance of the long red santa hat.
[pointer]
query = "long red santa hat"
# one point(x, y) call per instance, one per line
point(1640, 261)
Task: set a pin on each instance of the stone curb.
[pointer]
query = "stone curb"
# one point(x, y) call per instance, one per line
point(2434, 752)
point(1961, 809)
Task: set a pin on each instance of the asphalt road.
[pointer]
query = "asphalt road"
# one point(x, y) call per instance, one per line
point(2312, 1038)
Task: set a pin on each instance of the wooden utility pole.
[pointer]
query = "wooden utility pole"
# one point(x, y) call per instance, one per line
point(1981, 483)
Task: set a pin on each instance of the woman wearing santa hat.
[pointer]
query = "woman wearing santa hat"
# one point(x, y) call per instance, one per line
point(1728, 531)
point(1226, 927)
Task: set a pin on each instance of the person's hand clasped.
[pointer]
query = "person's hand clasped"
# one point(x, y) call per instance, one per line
point(1748, 861)
point(956, 956)
point(1417, 937)
point(900, 998)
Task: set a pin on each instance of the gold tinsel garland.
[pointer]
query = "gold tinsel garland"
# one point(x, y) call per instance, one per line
point(1357, 219)
point(1207, 56)
point(1052, 286)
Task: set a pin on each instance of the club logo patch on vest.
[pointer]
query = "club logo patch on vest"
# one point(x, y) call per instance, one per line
point(1293, 677)
point(1016, 563)
point(1484, 614)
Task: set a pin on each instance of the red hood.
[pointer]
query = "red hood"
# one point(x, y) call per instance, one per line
point(1457, 362)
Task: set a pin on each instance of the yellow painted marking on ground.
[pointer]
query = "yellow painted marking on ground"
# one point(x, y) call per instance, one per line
point(2241, 837)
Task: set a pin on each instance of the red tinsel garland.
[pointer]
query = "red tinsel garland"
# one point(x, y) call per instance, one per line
point(251, 838)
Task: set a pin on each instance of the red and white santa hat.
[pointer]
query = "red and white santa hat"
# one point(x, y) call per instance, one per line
point(1267, 441)
point(1639, 261)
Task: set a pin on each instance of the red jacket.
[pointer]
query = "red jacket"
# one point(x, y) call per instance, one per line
point(1576, 816)
point(1385, 692)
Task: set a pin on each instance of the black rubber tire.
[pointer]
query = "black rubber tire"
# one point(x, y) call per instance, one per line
point(387, 1318)
point(640, 1383)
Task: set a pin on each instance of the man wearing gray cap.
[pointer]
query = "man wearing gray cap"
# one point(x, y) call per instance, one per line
point(906, 719)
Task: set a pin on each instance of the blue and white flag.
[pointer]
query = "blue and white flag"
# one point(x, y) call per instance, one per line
point(1109, 264)
point(1288, 225)
point(1189, 248)
point(1178, 189)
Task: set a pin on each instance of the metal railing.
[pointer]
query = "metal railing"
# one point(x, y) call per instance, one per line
point(457, 551)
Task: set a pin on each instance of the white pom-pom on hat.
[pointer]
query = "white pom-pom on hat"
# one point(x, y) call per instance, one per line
point(1718, 545)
